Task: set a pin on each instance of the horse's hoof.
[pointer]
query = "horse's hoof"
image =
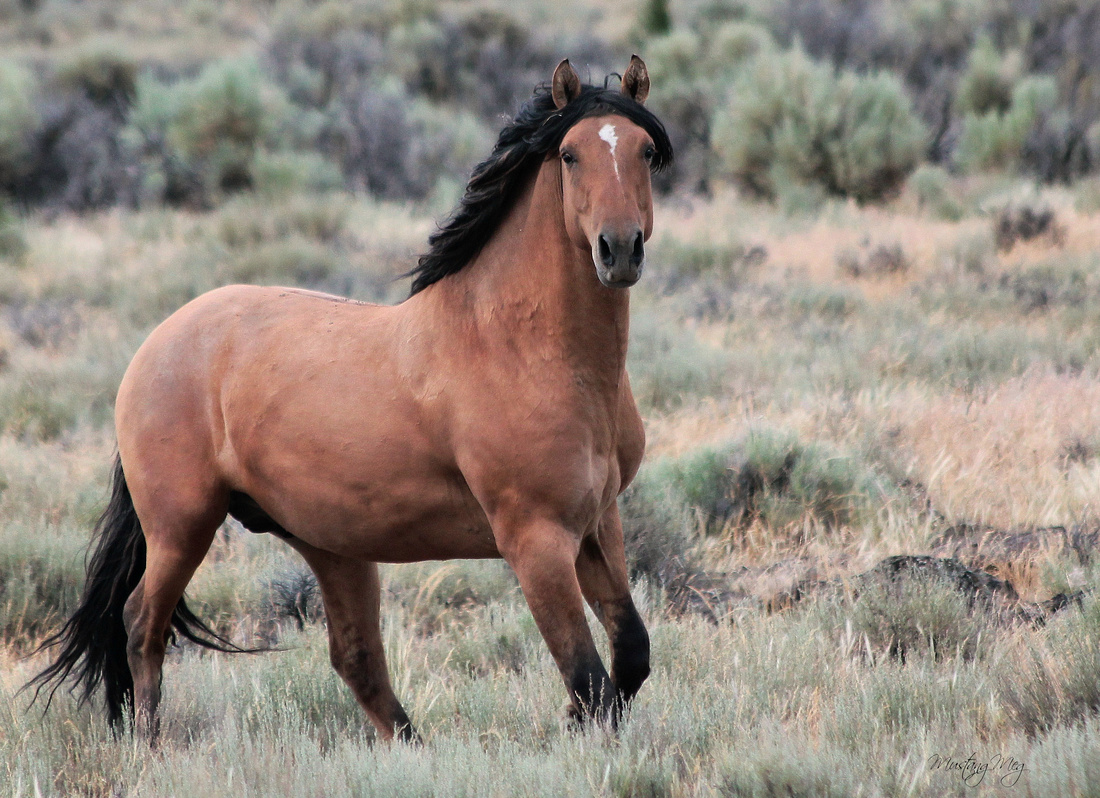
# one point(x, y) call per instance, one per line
point(573, 717)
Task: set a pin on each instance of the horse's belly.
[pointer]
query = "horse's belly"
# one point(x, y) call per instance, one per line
point(393, 519)
point(411, 538)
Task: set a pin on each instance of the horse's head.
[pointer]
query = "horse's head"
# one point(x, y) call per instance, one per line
point(606, 161)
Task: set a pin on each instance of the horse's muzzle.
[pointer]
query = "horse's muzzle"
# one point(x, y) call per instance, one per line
point(619, 259)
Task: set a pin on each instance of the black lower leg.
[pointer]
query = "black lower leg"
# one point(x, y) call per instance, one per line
point(630, 657)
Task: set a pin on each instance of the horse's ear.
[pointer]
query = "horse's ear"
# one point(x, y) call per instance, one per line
point(636, 80)
point(565, 86)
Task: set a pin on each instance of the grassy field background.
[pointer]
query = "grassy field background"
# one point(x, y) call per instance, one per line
point(828, 379)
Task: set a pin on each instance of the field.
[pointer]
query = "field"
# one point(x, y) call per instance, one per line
point(828, 379)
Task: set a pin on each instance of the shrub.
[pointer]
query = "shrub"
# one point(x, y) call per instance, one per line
point(877, 261)
point(220, 121)
point(102, 73)
point(1024, 222)
point(790, 120)
point(18, 118)
point(80, 159)
point(733, 44)
point(996, 139)
point(656, 18)
point(289, 172)
point(376, 138)
point(1061, 147)
point(931, 185)
point(986, 85)
point(293, 594)
point(915, 614)
point(684, 98)
point(772, 477)
point(201, 136)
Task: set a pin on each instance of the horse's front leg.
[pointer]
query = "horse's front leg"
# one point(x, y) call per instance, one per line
point(603, 577)
point(543, 554)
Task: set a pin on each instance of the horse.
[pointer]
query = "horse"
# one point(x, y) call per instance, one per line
point(489, 415)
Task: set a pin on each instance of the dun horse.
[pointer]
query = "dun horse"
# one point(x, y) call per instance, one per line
point(488, 415)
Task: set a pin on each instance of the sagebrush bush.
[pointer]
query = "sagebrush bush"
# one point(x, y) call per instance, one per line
point(291, 172)
point(915, 615)
point(732, 44)
point(18, 117)
point(996, 138)
point(931, 185)
point(104, 73)
point(789, 120)
point(988, 81)
point(200, 136)
point(221, 121)
point(770, 476)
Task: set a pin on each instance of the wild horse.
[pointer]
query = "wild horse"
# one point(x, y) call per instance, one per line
point(488, 415)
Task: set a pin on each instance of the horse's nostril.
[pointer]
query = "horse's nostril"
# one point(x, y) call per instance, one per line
point(638, 252)
point(606, 256)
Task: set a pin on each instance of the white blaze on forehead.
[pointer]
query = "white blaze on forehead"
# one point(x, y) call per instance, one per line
point(607, 133)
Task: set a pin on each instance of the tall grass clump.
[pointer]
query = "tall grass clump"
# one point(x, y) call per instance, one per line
point(1051, 682)
point(13, 246)
point(791, 122)
point(669, 365)
point(48, 508)
point(657, 528)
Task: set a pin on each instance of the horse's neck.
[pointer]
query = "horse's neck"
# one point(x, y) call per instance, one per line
point(531, 285)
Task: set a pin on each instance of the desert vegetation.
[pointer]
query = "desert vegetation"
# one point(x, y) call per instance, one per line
point(866, 347)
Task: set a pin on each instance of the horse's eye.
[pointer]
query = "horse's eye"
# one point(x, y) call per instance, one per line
point(649, 154)
point(568, 158)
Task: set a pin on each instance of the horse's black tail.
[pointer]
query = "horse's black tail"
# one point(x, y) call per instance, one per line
point(93, 641)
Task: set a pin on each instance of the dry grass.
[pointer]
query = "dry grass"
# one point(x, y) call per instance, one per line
point(869, 372)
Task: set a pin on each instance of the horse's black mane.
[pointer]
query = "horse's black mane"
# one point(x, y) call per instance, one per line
point(537, 130)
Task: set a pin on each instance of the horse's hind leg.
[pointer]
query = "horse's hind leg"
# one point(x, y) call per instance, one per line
point(601, 570)
point(173, 552)
point(352, 594)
